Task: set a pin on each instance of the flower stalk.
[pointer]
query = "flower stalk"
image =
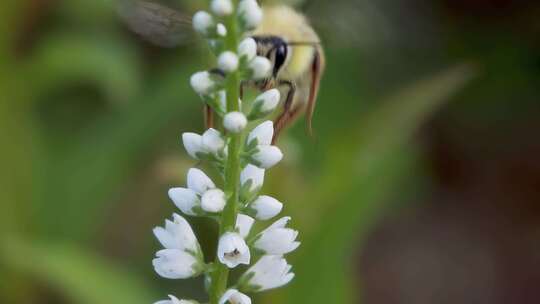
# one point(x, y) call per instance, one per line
point(242, 157)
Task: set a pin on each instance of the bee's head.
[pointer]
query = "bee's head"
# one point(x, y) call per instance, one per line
point(275, 49)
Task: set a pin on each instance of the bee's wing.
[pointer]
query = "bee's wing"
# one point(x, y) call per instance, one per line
point(156, 23)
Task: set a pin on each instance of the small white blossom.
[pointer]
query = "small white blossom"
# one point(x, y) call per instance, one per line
point(266, 102)
point(174, 300)
point(248, 48)
point(244, 224)
point(198, 181)
point(177, 235)
point(212, 141)
point(263, 133)
point(221, 7)
point(228, 61)
point(276, 239)
point(193, 144)
point(203, 22)
point(266, 207)
point(260, 67)
point(184, 199)
point(271, 271)
point(176, 264)
point(221, 30)
point(253, 174)
point(232, 250)
point(235, 122)
point(233, 296)
point(213, 201)
point(267, 156)
point(250, 12)
point(202, 82)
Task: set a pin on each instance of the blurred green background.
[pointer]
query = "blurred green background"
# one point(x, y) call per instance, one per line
point(422, 184)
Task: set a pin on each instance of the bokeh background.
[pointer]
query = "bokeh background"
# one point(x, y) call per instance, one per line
point(422, 184)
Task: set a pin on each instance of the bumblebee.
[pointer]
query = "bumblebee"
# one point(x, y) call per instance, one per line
point(284, 36)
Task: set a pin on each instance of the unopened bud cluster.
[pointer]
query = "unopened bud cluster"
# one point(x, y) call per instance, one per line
point(261, 253)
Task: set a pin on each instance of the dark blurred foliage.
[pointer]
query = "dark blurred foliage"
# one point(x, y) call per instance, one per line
point(421, 186)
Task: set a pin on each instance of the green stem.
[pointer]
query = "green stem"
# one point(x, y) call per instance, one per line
point(232, 169)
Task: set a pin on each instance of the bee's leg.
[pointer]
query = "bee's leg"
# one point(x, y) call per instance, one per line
point(208, 116)
point(285, 117)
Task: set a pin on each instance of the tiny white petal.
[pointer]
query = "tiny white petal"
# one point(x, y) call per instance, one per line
point(278, 241)
point(177, 235)
point(248, 48)
point(228, 61)
point(263, 133)
point(235, 122)
point(233, 296)
point(202, 82)
point(202, 22)
point(267, 156)
point(221, 7)
point(271, 271)
point(244, 224)
point(221, 30)
point(175, 264)
point(253, 173)
point(233, 250)
point(269, 100)
point(193, 144)
point(184, 199)
point(266, 207)
point(175, 300)
point(250, 12)
point(212, 141)
point(213, 201)
point(198, 181)
point(260, 67)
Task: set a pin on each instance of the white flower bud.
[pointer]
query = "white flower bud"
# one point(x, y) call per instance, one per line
point(202, 22)
point(221, 7)
point(244, 224)
point(228, 61)
point(221, 30)
point(193, 144)
point(212, 141)
point(176, 264)
point(251, 13)
point(253, 174)
point(235, 122)
point(267, 156)
point(202, 83)
point(232, 250)
point(233, 296)
point(266, 207)
point(213, 201)
point(268, 101)
point(175, 300)
point(184, 199)
point(260, 67)
point(276, 239)
point(263, 133)
point(198, 181)
point(248, 48)
point(177, 235)
point(271, 271)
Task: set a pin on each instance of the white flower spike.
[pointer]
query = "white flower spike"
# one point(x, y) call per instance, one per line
point(267, 156)
point(276, 239)
point(228, 61)
point(250, 12)
point(248, 49)
point(233, 296)
point(235, 122)
point(176, 264)
point(266, 207)
point(174, 300)
point(232, 250)
point(271, 271)
point(221, 7)
point(253, 174)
